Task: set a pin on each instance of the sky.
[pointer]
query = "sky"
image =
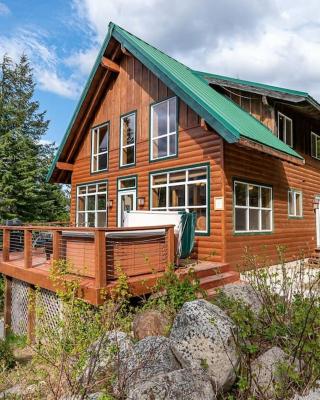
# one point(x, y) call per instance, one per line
point(271, 41)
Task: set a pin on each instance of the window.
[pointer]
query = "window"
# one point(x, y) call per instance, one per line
point(182, 190)
point(164, 129)
point(252, 207)
point(99, 156)
point(315, 145)
point(294, 203)
point(92, 205)
point(285, 130)
point(127, 183)
point(128, 140)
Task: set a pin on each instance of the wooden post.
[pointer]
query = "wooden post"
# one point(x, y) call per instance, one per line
point(56, 245)
point(6, 245)
point(7, 304)
point(100, 259)
point(27, 248)
point(170, 246)
point(31, 314)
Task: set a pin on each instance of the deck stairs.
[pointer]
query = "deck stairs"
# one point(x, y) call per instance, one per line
point(314, 260)
point(210, 274)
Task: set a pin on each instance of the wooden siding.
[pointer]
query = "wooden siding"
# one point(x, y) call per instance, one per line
point(297, 235)
point(135, 88)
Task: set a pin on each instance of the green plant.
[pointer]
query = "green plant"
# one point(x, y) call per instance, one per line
point(7, 359)
point(289, 318)
point(172, 291)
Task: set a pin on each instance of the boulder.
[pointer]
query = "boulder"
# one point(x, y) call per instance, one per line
point(150, 323)
point(265, 372)
point(202, 337)
point(183, 384)
point(245, 293)
point(151, 356)
point(314, 394)
point(103, 351)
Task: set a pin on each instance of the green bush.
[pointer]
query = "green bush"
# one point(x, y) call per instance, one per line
point(289, 318)
point(7, 360)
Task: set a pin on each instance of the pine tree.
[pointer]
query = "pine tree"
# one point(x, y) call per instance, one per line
point(24, 160)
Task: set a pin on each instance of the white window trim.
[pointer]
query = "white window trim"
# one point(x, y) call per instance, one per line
point(168, 134)
point(248, 207)
point(86, 195)
point(317, 156)
point(95, 152)
point(294, 197)
point(285, 129)
point(122, 147)
point(186, 207)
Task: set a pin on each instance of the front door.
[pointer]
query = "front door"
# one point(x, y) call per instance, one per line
point(127, 201)
point(318, 222)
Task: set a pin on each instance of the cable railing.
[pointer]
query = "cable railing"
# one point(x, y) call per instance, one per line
point(97, 253)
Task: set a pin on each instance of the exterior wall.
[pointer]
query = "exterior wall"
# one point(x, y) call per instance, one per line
point(297, 235)
point(135, 88)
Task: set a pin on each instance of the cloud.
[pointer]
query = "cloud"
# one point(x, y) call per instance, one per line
point(275, 42)
point(4, 9)
point(44, 61)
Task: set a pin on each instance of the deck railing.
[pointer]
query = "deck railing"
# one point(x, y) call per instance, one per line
point(96, 253)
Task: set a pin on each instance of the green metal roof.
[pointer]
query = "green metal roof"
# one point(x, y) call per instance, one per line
point(250, 83)
point(222, 114)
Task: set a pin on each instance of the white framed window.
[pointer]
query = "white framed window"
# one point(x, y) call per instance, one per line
point(92, 205)
point(99, 148)
point(295, 203)
point(128, 140)
point(164, 138)
point(252, 207)
point(127, 183)
point(285, 129)
point(182, 190)
point(315, 145)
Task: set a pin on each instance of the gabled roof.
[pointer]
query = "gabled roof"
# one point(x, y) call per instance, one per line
point(295, 95)
point(223, 115)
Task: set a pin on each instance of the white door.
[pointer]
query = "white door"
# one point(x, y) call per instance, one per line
point(127, 201)
point(318, 223)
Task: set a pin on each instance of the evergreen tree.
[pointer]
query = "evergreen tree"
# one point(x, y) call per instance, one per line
point(24, 160)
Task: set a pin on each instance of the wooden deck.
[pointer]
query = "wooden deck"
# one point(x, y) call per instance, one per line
point(95, 257)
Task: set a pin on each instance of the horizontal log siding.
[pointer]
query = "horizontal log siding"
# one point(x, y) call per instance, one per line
point(136, 88)
point(297, 235)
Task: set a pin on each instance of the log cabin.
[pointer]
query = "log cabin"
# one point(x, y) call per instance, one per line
point(151, 134)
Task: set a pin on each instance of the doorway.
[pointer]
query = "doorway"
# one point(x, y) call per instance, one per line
point(127, 201)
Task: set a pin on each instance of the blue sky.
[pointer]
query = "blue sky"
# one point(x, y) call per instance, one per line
point(274, 41)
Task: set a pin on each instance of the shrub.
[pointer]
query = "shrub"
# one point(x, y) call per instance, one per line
point(172, 292)
point(289, 318)
point(7, 359)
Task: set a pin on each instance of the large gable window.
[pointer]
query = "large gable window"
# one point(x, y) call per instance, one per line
point(92, 205)
point(164, 129)
point(252, 207)
point(99, 150)
point(285, 129)
point(315, 145)
point(128, 140)
point(182, 190)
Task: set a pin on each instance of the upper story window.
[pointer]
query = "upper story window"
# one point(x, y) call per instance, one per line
point(315, 145)
point(164, 129)
point(294, 203)
point(99, 150)
point(252, 207)
point(285, 129)
point(182, 189)
point(92, 205)
point(128, 140)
